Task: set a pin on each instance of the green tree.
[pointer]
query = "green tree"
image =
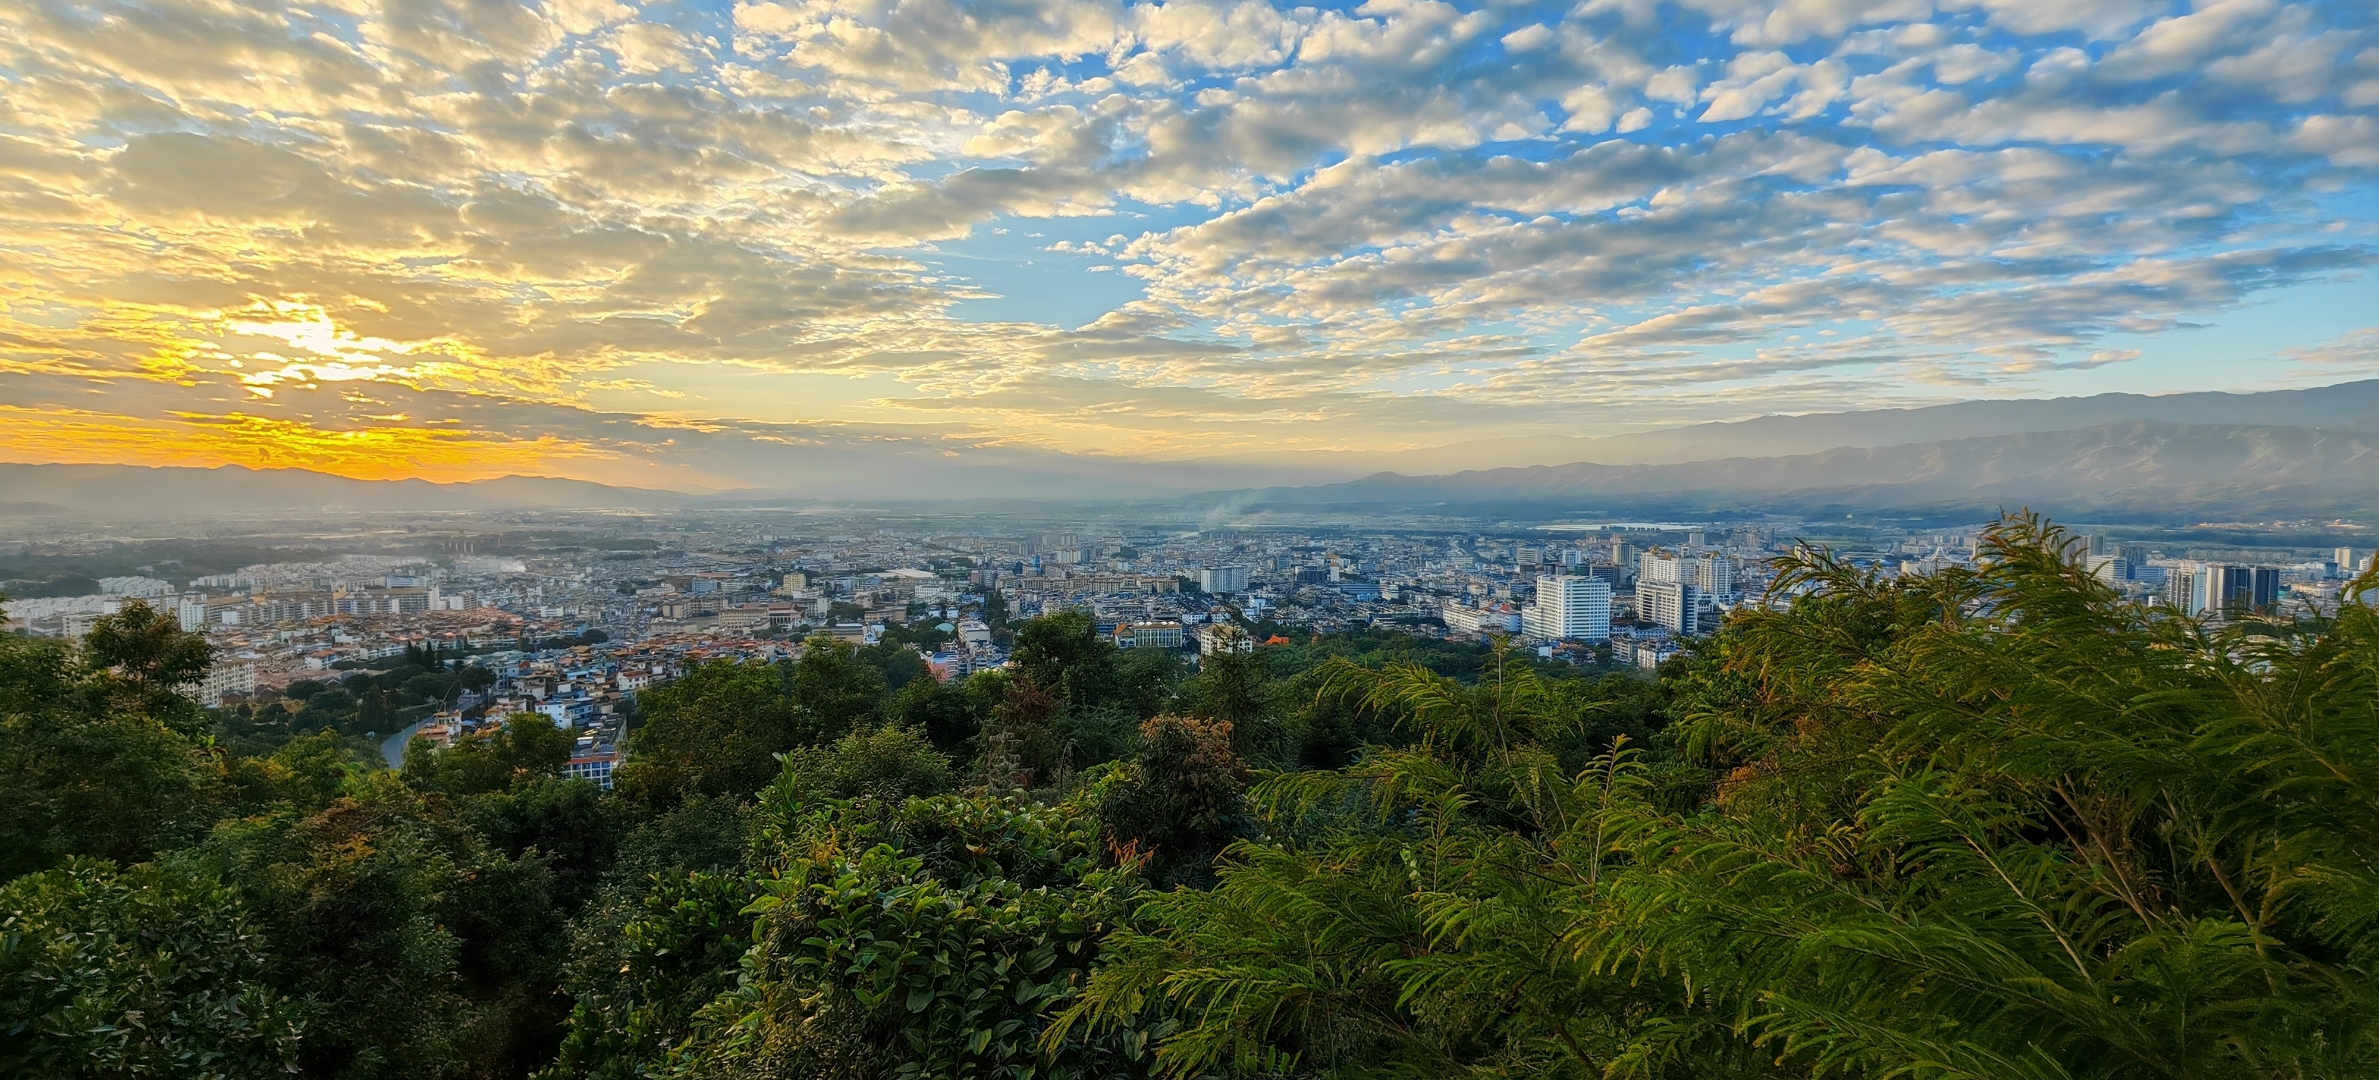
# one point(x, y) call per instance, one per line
point(663, 937)
point(1405, 915)
point(1999, 822)
point(1064, 654)
point(150, 971)
point(423, 950)
point(935, 941)
point(1148, 679)
point(713, 731)
point(948, 714)
point(141, 658)
point(897, 663)
point(833, 687)
point(1024, 746)
point(85, 768)
point(525, 747)
point(1178, 801)
point(645, 965)
point(888, 764)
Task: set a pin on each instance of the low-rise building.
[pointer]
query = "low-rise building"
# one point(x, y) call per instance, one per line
point(1149, 635)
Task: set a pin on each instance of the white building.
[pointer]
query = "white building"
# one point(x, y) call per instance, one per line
point(1672, 604)
point(1223, 579)
point(1148, 635)
point(1472, 620)
point(589, 761)
point(1223, 637)
point(1569, 609)
point(224, 679)
point(1651, 654)
point(1714, 574)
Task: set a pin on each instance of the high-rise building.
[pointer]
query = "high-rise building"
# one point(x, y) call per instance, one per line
point(2209, 588)
point(1622, 553)
point(2345, 561)
point(1696, 540)
point(2109, 568)
point(2216, 590)
point(1223, 579)
point(2180, 584)
point(1569, 609)
point(1673, 604)
point(2133, 555)
point(1714, 574)
point(1657, 565)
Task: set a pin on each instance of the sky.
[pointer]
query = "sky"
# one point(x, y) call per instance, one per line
point(773, 244)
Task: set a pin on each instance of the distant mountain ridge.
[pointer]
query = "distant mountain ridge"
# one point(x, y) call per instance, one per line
point(136, 492)
point(1809, 433)
point(2294, 451)
point(2131, 467)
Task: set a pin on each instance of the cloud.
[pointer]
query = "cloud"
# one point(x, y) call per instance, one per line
point(2355, 349)
point(548, 231)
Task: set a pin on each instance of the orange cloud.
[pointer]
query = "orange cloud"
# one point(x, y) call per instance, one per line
point(371, 453)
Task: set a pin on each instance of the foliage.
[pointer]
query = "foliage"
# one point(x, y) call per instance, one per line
point(1024, 746)
point(86, 767)
point(951, 714)
point(149, 971)
point(1985, 823)
point(1147, 680)
point(644, 965)
point(887, 764)
point(525, 746)
point(899, 664)
point(1177, 803)
point(1064, 655)
point(1404, 914)
point(933, 942)
point(2000, 823)
point(713, 731)
point(419, 946)
point(140, 658)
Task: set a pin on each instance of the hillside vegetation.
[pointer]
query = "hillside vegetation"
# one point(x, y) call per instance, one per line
point(1991, 824)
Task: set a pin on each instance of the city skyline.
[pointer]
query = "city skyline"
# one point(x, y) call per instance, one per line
point(700, 246)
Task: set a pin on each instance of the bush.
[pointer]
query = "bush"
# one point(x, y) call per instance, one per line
point(144, 972)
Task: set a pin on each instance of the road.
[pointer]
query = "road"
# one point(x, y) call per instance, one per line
point(394, 747)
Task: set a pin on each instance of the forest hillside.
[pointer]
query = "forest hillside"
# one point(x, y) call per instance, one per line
point(1991, 823)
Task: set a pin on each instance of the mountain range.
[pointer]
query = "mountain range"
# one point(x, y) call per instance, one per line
point(2129, 470)
point(136, 493)
point(2291, 453)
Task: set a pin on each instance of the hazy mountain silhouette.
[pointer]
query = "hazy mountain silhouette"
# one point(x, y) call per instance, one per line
point(1779, 436)
point(2292, 451)
point(135, 492)
point(2132, 468)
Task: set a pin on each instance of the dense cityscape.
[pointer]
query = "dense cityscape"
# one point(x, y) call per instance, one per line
point(567, 618)
point(1189, 540)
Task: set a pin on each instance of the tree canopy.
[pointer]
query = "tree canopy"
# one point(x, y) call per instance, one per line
point(1992, 822)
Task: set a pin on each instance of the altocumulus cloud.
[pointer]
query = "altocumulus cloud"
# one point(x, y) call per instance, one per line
point(698, 245)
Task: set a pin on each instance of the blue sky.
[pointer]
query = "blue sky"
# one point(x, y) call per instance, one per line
point(716, 244)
